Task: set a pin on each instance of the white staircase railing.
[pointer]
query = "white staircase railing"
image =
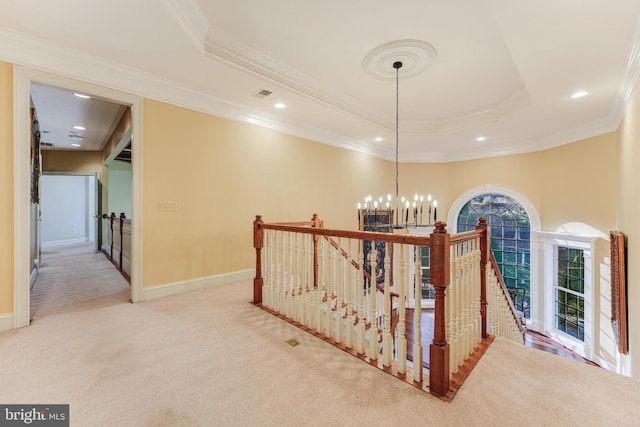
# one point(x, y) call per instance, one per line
point(316, 278)
point(503, 319)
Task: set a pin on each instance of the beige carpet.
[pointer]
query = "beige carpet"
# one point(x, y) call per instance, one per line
point(209, 358)
point(71, 274)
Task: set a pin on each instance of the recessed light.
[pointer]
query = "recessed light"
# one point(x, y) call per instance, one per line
point(280, 105)
point(481, 138)
point(81, 95)
point(75, 145)
point(78, 127)
point(579, 94)
point(378, 139)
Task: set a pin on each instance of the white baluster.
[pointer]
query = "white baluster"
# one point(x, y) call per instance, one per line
point(311, 288)
point(330, 292)
point(360, 288)
point(321, 285)
point(417, 317)
point(302, 284)
point(349, 294)
point(402, 339)
point(268, 269)
point(373, 330)
point(450, 311)
point(339, 292)
point(292, 274)
point(386, 335)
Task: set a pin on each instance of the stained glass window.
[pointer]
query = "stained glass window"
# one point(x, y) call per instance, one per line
point(510, 236)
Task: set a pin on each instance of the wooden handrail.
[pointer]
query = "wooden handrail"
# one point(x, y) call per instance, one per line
point(465, 236)
point(359, 235)
point(440, 243)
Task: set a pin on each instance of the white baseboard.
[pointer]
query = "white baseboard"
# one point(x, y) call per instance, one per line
point(606, 364)
point(34, 276)
point(536, 326)
point(195, 284)
point(55, 243)
point(6, 322)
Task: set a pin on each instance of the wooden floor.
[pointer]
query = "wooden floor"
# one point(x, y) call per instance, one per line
point(532, 339)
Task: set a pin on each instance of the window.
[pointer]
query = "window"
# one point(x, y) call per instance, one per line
point(570, 270)
point(569, 303)
point(510, 237)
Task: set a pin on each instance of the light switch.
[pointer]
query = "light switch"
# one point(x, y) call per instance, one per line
point(167, 206)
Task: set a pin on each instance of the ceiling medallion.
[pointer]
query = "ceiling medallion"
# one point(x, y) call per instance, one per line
point(415, 55)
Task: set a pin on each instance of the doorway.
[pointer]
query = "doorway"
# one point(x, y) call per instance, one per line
point(23, 223)
point(70, 268)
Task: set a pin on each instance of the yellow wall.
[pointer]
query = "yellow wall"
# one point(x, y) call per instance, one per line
point(579, 183)
point(518, 172)
point(6, 188)
point(628, 216)
point(572, 183)
point(221, 174)
point(424, 179)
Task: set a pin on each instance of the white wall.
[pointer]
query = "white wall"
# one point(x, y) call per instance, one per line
point(67, 203)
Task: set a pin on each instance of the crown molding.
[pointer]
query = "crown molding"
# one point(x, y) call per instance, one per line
point(27, 51)
point(34, 53)
point(630, 79)
point(191, 18)
point(578, 133)
point(220, 46)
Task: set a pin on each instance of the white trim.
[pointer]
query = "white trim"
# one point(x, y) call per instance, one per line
point(536, 308)
point(6, 322)
point(28, 51)
point(549, 241)
point(192, 19)
point(195, 284)
point(21, 149)
point(124, 141)
point(34, 274)
point(67, 242)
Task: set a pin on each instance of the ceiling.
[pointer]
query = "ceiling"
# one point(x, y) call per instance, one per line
point(71, 122)
point(499, 69)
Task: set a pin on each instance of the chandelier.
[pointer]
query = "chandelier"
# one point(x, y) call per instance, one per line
point(379, 214)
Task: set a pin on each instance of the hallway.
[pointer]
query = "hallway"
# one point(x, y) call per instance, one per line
point(72, 274)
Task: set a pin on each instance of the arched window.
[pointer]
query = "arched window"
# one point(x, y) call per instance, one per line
point(510, 240)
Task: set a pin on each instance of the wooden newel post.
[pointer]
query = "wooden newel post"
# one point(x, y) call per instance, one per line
point(113, 217)
point(440, 271)
point(258, 243)
point(317, 223)
point(484, 257)
point(122, 218)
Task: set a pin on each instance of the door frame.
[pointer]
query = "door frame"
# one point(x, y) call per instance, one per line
point(23, 77)
point(95, 209)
